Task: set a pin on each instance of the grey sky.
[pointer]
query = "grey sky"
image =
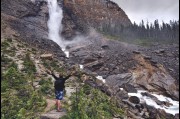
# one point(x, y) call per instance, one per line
point(150, 10)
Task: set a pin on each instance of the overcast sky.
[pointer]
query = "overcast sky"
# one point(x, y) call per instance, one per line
point(150, 10)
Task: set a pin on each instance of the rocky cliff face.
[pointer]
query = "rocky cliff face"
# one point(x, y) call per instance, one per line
point(81, 14)
point(27, 21)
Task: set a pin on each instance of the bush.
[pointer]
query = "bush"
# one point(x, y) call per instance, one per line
point(47, 87)
point(4, 45)
point(5, 61)
point(29, 66)
point(14, 78)
point(94, 105)
point(18, 99)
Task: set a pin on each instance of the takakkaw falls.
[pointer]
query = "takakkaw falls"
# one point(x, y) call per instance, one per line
point(55, 26)
point(123, 70)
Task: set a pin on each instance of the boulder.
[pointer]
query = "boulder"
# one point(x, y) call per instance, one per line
point(47, 56)
point(129, 88)
point(122, 95)
point(118, 79)
point(160, 51)
point(136, 52)
point(105, 47)
point(134, 99)
point(155, 79)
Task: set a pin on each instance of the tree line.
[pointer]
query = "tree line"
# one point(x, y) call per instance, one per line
point(165, 32)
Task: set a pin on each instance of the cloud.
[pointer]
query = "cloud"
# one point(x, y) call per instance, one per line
point(164, 10)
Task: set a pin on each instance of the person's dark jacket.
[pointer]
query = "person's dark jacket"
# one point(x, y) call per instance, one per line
point(59, 83)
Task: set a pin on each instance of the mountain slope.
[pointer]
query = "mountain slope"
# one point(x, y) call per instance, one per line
point(81, 14)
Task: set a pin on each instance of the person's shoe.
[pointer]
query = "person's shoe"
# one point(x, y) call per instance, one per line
point(59, 110)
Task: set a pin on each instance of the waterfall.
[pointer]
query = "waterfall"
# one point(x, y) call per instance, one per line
point(55, 25)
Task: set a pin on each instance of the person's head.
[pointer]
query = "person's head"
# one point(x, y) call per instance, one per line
point(60, 74)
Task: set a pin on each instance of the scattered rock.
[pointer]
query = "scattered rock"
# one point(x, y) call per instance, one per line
point(136, 52)
point(129, 88)
point(160, 51)
point(168, 104)
point(105, 47)
point(147, 57)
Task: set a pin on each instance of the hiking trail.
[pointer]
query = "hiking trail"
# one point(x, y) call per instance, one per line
point(50, 110)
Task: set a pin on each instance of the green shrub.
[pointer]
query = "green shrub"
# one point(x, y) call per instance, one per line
point(47, 87)
point(19, 99)
point(29, 66)
point(92, 105)
point(13, 77)
point(5, 61)
point(4, 45)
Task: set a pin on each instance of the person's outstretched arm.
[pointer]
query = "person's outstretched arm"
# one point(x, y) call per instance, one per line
point(67, 77)
point(54, 76)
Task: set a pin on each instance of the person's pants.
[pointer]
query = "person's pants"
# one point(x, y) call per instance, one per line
point(59, 95)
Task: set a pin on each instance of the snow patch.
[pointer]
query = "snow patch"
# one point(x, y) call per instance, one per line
point(121, 89)
point(81, 66)
point(101, 78)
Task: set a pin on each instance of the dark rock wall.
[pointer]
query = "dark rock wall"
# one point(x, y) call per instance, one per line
point(81, 14)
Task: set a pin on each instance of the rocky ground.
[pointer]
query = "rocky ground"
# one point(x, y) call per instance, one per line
point(130, 67)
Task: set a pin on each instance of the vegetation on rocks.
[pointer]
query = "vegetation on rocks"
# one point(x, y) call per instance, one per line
point(19, 100)
point(90, 103)
point(24, 90)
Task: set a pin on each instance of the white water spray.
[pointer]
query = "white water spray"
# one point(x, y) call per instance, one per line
point(55, 25)
point(172, 109)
